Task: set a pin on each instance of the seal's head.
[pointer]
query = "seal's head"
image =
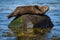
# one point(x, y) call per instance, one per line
point(43, 9)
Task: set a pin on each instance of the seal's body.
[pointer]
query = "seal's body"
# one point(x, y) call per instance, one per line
point(21, 10)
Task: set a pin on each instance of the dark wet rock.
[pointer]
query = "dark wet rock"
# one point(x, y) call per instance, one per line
point(31, 24)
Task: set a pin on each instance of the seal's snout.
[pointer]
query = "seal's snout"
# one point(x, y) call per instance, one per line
point(45, 8)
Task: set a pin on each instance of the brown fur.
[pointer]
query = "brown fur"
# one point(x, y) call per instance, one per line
point(21, 10)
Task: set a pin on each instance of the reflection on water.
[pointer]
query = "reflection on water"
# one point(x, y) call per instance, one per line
point(7, 7)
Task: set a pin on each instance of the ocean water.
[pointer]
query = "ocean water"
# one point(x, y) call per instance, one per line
point(8, 6)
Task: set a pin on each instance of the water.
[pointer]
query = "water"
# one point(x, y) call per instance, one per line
point(7, 6)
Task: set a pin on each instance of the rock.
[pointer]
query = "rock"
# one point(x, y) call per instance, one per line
point(30, 24)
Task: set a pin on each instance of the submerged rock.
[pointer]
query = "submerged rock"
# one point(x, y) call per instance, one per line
point(31, 24)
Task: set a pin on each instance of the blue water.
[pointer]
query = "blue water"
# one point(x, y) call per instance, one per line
point(8, 6)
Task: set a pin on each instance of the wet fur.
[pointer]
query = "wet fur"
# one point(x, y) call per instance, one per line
point(33, 10)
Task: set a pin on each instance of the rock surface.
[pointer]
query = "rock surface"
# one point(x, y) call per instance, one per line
point(30, 24)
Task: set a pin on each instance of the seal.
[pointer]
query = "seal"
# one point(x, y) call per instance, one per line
point(32, 9)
